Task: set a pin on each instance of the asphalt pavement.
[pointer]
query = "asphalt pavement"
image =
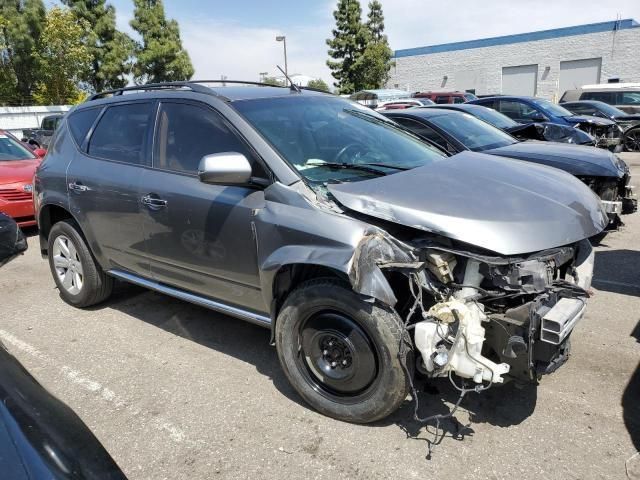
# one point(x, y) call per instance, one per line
point(179, 392)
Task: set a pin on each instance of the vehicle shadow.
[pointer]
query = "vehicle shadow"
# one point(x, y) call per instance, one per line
point(630, 400)
point(230, 336)
point(616, 271)
point(500, 406)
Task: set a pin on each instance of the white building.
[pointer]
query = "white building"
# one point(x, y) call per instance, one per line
point(297, 78)
point(543, 63)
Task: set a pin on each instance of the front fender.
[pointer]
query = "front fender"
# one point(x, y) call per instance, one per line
point(295, 233)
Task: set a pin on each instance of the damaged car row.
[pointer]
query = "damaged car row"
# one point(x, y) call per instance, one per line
point(454, 130)
point(372, 255)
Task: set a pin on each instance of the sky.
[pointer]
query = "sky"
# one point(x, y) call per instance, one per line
point(237, 38)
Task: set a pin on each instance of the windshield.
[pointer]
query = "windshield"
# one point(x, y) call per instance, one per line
point(11, 149)
point(494, 118)
point(474, 134)
point(318, 134)
point(609, 110)
point(551, 108)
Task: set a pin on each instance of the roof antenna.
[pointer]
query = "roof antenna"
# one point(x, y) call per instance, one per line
point(292, 86)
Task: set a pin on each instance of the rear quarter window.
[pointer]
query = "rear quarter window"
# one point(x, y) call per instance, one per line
point(80, 122)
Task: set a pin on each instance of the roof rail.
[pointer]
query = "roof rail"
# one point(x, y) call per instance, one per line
point(238, 82)
point(152, 86)
point(194, 85)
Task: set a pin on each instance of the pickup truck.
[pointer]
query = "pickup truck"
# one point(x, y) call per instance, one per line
point(40, 137)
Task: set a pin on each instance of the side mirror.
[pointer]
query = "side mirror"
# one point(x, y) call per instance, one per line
point(40, 152)
point(227, 168)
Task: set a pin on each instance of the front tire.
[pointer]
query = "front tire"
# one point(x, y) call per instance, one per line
point(631, 140)
point(340, 352)
point(77, 275)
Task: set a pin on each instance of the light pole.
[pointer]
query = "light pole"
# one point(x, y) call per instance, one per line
point(263, 76)
point(283, 39)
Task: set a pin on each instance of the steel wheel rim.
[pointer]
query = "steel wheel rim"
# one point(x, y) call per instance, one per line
point(67, 265)
point(632, 141)
point(337, 357)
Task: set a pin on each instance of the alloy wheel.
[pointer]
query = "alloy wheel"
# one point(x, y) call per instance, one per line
point(67, 264)
point(632, 141)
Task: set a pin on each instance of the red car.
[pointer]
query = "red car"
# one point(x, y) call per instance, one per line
point(446, 97)
point(17, 167)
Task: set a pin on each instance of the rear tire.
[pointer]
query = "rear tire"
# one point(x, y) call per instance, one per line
point(77, 275)
point(340, 352)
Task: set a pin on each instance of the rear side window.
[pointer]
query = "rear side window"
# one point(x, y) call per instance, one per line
point(80, 123)
point(187, 132)
point(422, 130)
point(442, 99)
point(581, 108)
point(629, 98)
point(517, 110)
point(50, 123)
point(121, 133)
point(606, 97)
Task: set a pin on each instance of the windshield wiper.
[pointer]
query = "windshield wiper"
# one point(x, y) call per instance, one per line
point(351, 166)
point(385, 165)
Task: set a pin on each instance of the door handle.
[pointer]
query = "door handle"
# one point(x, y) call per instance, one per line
point(78, 187)
point(153, 202)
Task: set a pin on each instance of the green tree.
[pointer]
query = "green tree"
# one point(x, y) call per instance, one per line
point(318, 84)
point(347, 46)
point(375, 22)
point(63, 58)
point(273, 81)
point(159, 56)
point(375, 62)
point(8, 83)
point(22, 25)
point(111, 50)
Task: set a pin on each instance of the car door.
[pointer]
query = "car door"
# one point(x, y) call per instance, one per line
point(520, 112)
point(199, 236)
point(104, 179)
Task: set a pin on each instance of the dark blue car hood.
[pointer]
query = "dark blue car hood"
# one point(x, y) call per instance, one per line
point(574, 159)
point(578, 119)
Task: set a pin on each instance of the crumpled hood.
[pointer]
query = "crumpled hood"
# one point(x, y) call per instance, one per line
point(575, 159)
point(502, 205)
point(551, 132)
point(605, 122)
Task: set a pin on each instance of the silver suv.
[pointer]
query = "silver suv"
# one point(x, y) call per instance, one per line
point(369, 254)
point(626, 97)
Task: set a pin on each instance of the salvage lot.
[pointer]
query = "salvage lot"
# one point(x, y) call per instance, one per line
point(176, 391)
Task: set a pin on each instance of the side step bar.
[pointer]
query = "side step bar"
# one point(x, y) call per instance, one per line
point(246, 315)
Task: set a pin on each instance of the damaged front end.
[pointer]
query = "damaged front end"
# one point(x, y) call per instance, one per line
point(616, 193)
point(491, 318)
point(607, 134)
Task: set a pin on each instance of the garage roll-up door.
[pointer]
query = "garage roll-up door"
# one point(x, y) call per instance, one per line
point(575, 73)
point(520, 80)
